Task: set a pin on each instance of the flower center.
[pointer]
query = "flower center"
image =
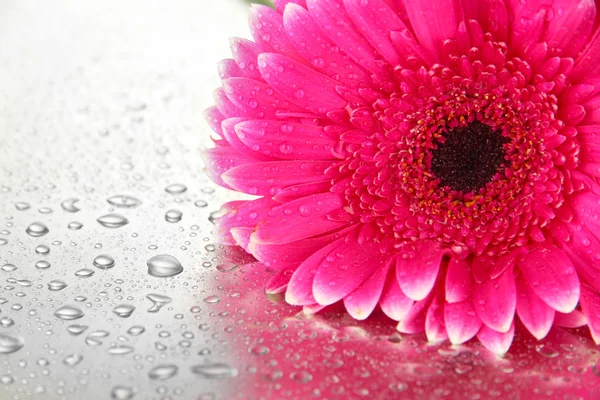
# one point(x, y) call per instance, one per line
point(468, 157)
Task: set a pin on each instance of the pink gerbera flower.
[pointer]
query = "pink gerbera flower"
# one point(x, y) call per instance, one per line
point(436, 158)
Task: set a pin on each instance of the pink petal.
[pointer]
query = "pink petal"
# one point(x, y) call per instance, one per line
point(300, 84)
point(311, 309)
point(299, 290)
point(227, 127)
point(281, 5)
point(527, 23)
point(361, 302)
point(227, 108)
point(375, 20)
point(496, 342)
point(218, 160)
point(433, 21)
point(213, 116)
point(582, 249)
point(299, 219)
point(590, 304)
point(278, 283)
point(322, 54)
point(461, 320)
point(571, 26)
point(286, 140)
point(586, 205)
point(393, 301)
point(346, 269)
point(229, 69)
point(269, 177)
point(333, 20)
point(491, 14)
point(246, 213)
point(574, 319)
point(255, 98)
point(533, 312)
point(302, 190)
point(417, 268)
point(495, 301)
point(414, 320)
point(266, 26)
point(245, 53)
point(459, 282)
point(552, 276)
point(241, 235)
point(435, 328)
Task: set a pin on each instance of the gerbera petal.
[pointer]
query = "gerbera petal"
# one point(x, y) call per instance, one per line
point(346, 269)
point(414, 320)
point(229, 134)
point(574, 319)
point(461, 321)
point(496, 300)
point(214, 117)
point(267, 178)
point(299, 291)
point(279, 282)
point(280, 5)
point(266, 26)
point(590, 304)
point(361, 302)
point(491, 14)
point(459, 282)
point(528, 24)
point(570, 27)
point(300, 84)
point(417, 268)
point(393, 301)
point(299, 219)
point(229, 69)
point(536, 315)
point(433, 21)
point(435, 328)
point(496, 342)
point(218, 160)
point(553, 278)
point(245, 53)
point(375, 20)
point(286, 140)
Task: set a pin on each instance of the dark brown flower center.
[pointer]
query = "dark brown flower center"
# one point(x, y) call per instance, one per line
point(468, 157)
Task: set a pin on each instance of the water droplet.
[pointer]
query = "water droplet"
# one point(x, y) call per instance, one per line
point(104, 261)
point(226, 266)
point(112, 221)
point(259, 350)
point(212, 371)
point(213, 299)
point(76, 329)
point(122, 393)
point(158, 301)
point(173, 216)
point(200, 203)
point(42, 249)
point(163, 266)
point(56, 285)
point(75, 226)
point(84, 273)
point(37, 229)
point(163, 372)
point(124, 310)
point(176, 188)
point(136, 330)
point(6, 322)
point(42, 264)
point(24, 282)
point(9, 267)
point(3, 241)
point(6, 379)
point(69, 205)
point(10, 344)
point(22, 206)
point(301, 376)
point(45, 210)
point(68, 313)
point(72, 360)
point(124, 201)
point(120, 350)
point(547, 351)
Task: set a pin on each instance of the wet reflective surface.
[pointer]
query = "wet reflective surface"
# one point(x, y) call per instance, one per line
point(111, 285)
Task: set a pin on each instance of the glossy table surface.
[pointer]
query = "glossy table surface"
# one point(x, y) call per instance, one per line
point(111, 284)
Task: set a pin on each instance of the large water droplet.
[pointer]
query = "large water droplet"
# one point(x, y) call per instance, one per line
point(120, 350)
point(76, 329)
point(124, 201)
point(212, 299)
point(136, 330)
point(158, 300)
point(72, 360)
point(124, 310)
point(163, 266)
point(37, 229)
point(104, 261)
point(69, 205)
point(22, 206)
point(10, 344)
point(173, 216)
point(112, 221)
point(84, 273)
point(122, 393)
point(9, 267)
point(42, 249)
point(176, 188)
point(212, 371)
point(56, 285)
point(42, 264)
point(163, 372)
point(6, 322)
point(75, 226)
point(68, 313)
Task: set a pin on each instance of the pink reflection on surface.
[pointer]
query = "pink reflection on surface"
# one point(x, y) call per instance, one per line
point(279, 352)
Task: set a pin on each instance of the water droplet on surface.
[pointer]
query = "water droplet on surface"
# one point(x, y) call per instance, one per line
point(214, 371)
point(24, 282)
point(124, 201)
point(22, 206)
point(75, 226)
point(173, 216)
point(37, 229)
point(226, 266)
point(176, 188)
point(164, 266)
point(122, 393)
point(84, 273)
point(42, 264)
point(9, 267)
point(112, 221)
point(6, 322)
point(136, 330)
point(56, 285)
point(104, 261)
point(213, 299)
point(6, 379)
point(45, 210)
point(120, 350)
point(10, 344)
point(3, 241)
point(201, 203)
point(72, 360)
point(69, 205)
point(163, 372)
point(42, 249)
point(158, 300)
point(76, 329)
point(124, 310)
point(547, 351)
point(68, 313)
